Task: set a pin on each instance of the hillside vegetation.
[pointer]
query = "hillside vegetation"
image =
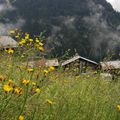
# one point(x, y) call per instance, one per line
point(89, 26)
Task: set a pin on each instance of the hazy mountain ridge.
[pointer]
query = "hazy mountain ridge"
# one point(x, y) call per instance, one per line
point(89, 26)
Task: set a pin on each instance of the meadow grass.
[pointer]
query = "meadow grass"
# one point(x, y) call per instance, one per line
point(60, 96)
point(41, 93)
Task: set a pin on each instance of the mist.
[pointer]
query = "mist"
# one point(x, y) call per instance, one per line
point(89, 27)
point(6, 25)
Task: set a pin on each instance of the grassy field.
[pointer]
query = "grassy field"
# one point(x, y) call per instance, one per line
point(48, 94)
point(34, 94)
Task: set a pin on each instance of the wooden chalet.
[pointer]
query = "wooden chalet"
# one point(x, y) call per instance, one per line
point(112, 67)
point(80, 64)
point(7, 42)
point(37, 62)
point(52, 62)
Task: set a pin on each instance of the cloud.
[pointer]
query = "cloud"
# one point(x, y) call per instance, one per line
point(103, 32)
point(6, 6)
point(5, 27)
point(68, 21)
point(56, 36)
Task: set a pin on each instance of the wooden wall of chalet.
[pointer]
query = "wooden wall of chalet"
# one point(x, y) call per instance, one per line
point(80, 66)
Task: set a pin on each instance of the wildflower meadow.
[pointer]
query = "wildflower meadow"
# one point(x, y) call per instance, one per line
point(47, 93)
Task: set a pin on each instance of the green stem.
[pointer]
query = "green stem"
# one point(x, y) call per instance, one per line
point(4, 105)
point(25, 99)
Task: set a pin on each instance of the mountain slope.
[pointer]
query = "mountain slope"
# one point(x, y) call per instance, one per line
point(90, 27)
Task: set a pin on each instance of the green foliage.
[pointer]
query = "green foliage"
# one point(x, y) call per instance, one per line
point(62, 96)
point(44, 15)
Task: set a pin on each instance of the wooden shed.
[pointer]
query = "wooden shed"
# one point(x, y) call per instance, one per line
point(80, 64)
point(52, 62)
point(7, 42)
point(112, 67)
point(41, 62)
point(47, 62)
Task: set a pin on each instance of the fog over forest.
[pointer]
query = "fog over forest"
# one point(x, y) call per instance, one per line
point(89, 27)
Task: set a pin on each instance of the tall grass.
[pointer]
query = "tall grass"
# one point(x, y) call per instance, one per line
point(61, 96)
point(35, 94)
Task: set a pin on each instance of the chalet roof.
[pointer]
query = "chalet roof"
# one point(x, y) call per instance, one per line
point(110, 65)
point(7, 42)
point(53, 62)
point(76, 58)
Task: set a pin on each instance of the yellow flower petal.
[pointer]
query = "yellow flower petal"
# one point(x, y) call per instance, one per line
point(51, 68)
point(7, 88)
point(118, 107)
point(25, 82)
point(37, 90)
point(21, 117)
point(49, 101)
point(30, 70)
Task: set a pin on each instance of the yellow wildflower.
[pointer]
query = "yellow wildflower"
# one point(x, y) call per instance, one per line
point(21, 117)
point(37, 90)
point(7, 88)
point(46, 71)
point(31, 40)
point(18, 90)
point(23, 41)
point(12, 32)
point(37, 41)
point(51, 68)
point(41, 44)
point(20, 43)
point(33, 83)
point(25, 82)
point(36, 45)
point(30, 70)
point(118, 107)
point(41, 49)
point(27, 36)
point(10, 82)
point(10, 51)
point(49, 101)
